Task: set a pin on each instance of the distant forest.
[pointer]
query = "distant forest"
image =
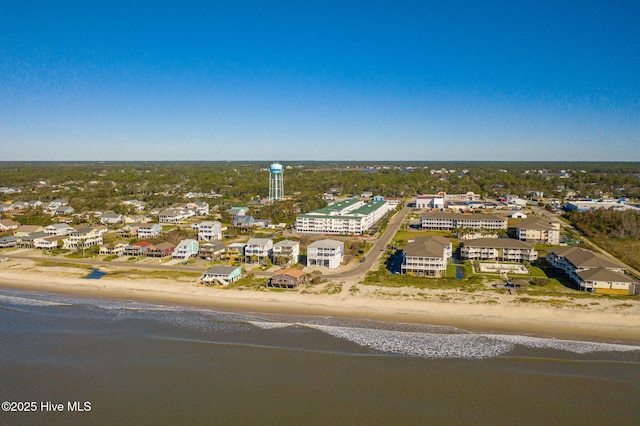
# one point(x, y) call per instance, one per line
point(100, 185)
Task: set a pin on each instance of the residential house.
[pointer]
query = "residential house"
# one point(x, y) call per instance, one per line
point(149, 230)
point(51, 242)
point(25, 230)
point(6, 242)
point(451, 221)
point(327, 253)
point(208, 230)
point(175, 216)
point(221, 275)
point(258, 250)
point(129, 230)
point(288, 278)
point(27, 241)
point(211, 250)
point(54, 205)
point(34, 204)
point(186, 249)
point(605, 281)
point(112, 249)
point(574, 260)
point(427, 257)
point(137, 205)
point(137, 249)
point(498, 249)
point(286, 252)
point(237, 211)
point(235, 252)
point(137, 218)
point(82, 237)
point(538, 230)
point(111, 219)
point(59, 229)
point(200, 208)
point(161, 250)
point(63, 211)
point(8, 225)
point(243, 221)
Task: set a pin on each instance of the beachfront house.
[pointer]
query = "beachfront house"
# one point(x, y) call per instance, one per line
point(186, 249)
point(7, 242)
point(326, 253)
point(112, 249)
point(27, 241)
point(288, 278)
point(137, 249)
point(161, 250)
point(258, 250)
point(604, 281)
point(427, 257)
point(82, 238)
point(221, 275)
point(574, 260)
point(48, 243)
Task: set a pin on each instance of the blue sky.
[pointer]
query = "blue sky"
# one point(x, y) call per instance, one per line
point(320, 80)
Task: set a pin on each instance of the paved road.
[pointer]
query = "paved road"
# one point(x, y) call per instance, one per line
point(377, 250)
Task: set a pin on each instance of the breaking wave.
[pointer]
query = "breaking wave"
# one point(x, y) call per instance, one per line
point(385, 338)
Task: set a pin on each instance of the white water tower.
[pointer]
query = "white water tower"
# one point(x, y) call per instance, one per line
point(276, 189)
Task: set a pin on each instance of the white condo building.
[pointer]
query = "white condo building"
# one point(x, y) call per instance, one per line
point(352, 216)
point(451, 221)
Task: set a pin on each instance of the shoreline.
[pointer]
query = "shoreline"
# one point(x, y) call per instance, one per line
point(600, 325)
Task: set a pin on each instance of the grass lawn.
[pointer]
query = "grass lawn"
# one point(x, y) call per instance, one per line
point(384, 278)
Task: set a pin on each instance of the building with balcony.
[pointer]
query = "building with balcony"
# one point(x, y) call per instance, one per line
point(326, 253)
point(258, 250)
point(450, 221)
point(286, 252)
point(538, 230)
point(427, 257)
point(572, 261)
point(498, 249)
point(352, 216)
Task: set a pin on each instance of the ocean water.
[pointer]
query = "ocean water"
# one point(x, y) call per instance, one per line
point(126, 362)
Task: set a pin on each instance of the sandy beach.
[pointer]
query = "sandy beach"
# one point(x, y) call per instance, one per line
point(604, 320)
